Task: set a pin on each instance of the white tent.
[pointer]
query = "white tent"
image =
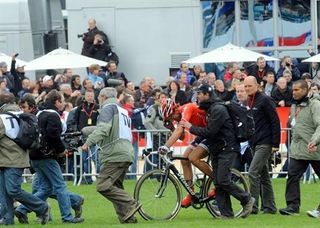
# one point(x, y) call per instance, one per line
point(8, 59)
point(229, 53)
point(313, 59)
point(60, 59)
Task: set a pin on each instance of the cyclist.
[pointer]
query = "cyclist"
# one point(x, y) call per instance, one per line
point(197, 150)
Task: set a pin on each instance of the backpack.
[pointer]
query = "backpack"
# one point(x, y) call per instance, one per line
point(242, 120)
point(27, 136)
point(138, 117)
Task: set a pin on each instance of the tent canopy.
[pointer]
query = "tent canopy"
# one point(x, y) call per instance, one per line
point(229, 53)
point(60, 59)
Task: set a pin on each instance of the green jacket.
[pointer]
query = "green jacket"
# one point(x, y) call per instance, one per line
point(11, 155)
point(106, 135)
point(306, 129)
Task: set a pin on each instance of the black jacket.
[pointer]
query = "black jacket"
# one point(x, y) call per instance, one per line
point(285, 95)
point(51, 128)
point(267, 124)
point(254, 71)
point(17, 76)
point(219, 130)
point(82, 114)
point(88, 39)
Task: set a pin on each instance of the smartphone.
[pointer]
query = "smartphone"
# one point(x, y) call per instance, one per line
point(16, 55)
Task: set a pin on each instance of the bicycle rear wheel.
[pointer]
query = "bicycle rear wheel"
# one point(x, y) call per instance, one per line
point(239, 179)
point(158, 202)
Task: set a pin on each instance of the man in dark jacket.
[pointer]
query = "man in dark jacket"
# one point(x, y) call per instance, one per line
point(44, 161)
point(224, 148)
point(260, 70)
point(17, 71)
point(265, 141)
point(282, 95)
point(88, 37)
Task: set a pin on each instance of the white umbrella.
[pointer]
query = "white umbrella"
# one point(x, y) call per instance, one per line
point(229, 53)
point(313, 59)
point(8, 59)
point(60, 59)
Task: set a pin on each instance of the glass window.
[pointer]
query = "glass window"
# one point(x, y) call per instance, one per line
point(218, 23)
point(256, 23)
point(294, 23)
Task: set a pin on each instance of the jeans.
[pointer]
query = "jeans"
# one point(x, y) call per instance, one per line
point(133, 169)
point(10, 189)
point(74, 198)
point(86, 163)
point(51, 182)
point(259, 178)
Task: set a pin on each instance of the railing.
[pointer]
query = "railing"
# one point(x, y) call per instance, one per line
point(150, 141)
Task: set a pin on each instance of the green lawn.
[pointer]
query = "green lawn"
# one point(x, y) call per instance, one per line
point(98, 212)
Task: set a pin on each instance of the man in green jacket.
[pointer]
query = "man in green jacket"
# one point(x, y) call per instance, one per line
point(305, 124)
point(113, 135)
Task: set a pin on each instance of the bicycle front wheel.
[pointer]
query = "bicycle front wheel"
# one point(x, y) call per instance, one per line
point(160, 198)
point(240, 181)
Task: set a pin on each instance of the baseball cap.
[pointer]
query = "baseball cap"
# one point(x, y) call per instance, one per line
point(46, 78)
point(204, 88)
point(3, 64)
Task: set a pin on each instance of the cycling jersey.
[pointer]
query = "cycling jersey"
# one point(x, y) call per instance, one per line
point(191, 113)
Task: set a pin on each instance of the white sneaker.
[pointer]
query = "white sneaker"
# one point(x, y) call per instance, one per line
point(314, 214)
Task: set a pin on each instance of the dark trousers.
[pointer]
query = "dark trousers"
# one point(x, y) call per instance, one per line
point(295, 172)
point(222, 162)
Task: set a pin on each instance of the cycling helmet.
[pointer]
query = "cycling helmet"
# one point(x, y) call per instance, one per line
point(167, 108)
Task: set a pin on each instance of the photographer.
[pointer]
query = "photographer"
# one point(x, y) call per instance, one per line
point(99, 49)
point(287, 64)
point(89, 37)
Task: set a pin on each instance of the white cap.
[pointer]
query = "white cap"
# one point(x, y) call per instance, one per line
point(46, 78)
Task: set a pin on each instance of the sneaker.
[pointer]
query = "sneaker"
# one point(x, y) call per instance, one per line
point(215, 207)
point(314, 214)
point(22, 218)
point(78, 209)
point(212, 193)
point(186, 201)
point(44, 218)
point(288, 211)
point(74, 220)
point(247, 208)
point(132, 212)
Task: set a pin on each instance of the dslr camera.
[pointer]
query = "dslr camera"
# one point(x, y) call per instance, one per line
point(82, 35)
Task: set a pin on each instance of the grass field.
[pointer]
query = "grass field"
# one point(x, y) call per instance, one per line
point(98, 212)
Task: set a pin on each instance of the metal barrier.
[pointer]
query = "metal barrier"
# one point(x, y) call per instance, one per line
point(150, 140)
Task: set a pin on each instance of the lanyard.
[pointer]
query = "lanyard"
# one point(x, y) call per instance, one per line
point(91, 111)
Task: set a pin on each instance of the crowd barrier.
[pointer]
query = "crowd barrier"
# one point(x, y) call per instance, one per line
point(148, 141)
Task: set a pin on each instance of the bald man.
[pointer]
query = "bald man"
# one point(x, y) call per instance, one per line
point(88, 37)
point(265, 141)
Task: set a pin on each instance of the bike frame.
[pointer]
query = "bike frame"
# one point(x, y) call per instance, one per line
point(197, 198)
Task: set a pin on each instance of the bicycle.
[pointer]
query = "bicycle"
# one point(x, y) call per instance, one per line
point(159, 191)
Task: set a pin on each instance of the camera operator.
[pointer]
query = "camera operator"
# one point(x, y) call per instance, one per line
point(89, 37)
point(287, 64)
